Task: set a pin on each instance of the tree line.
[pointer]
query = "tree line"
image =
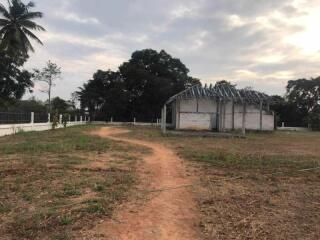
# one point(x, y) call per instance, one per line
point(137, 89)
point(300, 107)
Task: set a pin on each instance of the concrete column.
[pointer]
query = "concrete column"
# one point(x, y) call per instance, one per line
point(80, 118)
point(32, 118)
point(161, 120)
point(261, 105)
point(232, 120)
point(221, 107)
point(282, 124)
point(224, 116)
point(49, 117)
point(89, 119)
point(134, 121)
point(69, 118)
point(60, 118)
point(218, 114)
point(178, 115)
point(244, 113)
point(165, 119)
point(111, 120)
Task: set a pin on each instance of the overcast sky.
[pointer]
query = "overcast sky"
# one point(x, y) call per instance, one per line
point(258, 43)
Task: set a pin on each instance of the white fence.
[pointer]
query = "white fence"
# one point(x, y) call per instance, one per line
point(9, 129)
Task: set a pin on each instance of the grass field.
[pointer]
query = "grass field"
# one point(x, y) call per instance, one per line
point(253, 188)
point(55, 184)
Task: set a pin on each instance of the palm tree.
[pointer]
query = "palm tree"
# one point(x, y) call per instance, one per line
point(16, 27)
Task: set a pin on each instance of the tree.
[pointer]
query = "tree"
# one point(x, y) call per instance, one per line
point(301, 105)
point(14, 81)
point(104, 95)
point(304, 93)
point(59, 105)
point(30, 105)
point(226, 84)
point(287, 112)
point(48, 74)
point(150, 78)
point(16, 27)
point(139, 89)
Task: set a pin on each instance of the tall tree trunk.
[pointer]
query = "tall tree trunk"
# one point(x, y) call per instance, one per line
point(49, 93)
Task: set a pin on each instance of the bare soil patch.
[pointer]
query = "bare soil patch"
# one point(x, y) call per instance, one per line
point(164, 214)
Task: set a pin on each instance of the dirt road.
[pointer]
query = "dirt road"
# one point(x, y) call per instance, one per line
point(166, 214)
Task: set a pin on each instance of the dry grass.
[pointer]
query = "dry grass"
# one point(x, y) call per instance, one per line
point(54, 184)
point(271, 200)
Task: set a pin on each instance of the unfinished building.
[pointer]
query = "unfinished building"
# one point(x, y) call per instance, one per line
point(220, 108)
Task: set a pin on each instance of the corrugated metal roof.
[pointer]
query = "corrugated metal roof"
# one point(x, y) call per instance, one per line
point(222, 92)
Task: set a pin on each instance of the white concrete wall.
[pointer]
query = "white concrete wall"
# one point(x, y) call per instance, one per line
point(201, 114)
point(195, 121)
point(9, 129)
point(207, 106)
point(188, 105)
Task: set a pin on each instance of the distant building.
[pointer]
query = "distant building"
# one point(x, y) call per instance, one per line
point(220, 108)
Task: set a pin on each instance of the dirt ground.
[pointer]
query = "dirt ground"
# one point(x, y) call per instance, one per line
point(55, 184)
point(166, 214)
point(265, 186)
point(134, 183)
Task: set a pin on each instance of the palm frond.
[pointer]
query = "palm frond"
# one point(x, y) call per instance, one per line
point(4, 22)
point(31, 35)
point(30, 5)
point(25, 42)
point(30, 15)
point(4, 11)
point(31, 25)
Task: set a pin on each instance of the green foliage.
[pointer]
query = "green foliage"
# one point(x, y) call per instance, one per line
point(16, 27)
point(138, 89)
point(65, 118)
point(288, 112)
point(60, 105)
point(48, 75)
point(314, 118)
point(31, 105)
point(301, 105)
point(55, 120)
point(13, 80)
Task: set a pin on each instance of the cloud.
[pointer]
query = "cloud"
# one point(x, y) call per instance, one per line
point(249, 42)
point(73, 17)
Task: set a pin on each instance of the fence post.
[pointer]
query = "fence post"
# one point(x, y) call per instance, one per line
point(49, 117)
point(111, 120)
point(282, 124)
point(134, 121)
point(32, 118)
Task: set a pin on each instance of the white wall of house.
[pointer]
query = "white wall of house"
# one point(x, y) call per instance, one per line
point(202, 114)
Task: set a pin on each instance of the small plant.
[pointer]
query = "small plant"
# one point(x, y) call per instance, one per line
point(66, 220)
point(55, 120)
point(65, 118)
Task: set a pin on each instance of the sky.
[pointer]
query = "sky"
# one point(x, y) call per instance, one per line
point(256, 43)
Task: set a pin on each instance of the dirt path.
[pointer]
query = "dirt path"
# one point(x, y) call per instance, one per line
point(166, 214)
